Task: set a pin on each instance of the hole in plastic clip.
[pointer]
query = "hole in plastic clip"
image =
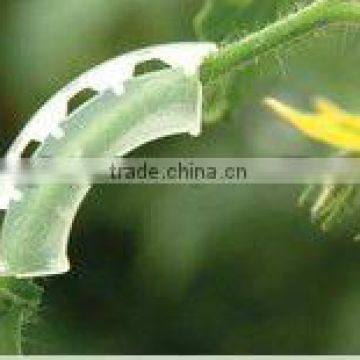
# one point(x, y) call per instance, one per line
point(79, 99)
point(149, 66)
point(30, 149)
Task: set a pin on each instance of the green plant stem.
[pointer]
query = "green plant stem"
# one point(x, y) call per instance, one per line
point(318, 14)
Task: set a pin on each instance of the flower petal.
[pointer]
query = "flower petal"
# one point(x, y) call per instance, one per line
point(330, 124)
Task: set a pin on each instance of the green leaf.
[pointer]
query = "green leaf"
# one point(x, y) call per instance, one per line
point(19, 300)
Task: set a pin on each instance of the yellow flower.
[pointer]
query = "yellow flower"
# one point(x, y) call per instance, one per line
point(329, 124)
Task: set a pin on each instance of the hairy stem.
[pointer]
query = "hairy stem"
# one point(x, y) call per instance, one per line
point(318, 14)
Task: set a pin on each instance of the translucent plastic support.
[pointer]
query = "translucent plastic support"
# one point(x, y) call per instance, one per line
point(36, 229)
point(111, 75)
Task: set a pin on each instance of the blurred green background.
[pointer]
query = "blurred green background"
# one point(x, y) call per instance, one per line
point(190, 269)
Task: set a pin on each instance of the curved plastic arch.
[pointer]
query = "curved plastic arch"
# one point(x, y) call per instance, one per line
point(113, 123)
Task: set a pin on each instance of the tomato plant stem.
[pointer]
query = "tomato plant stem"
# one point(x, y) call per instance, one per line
point(319, 14)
